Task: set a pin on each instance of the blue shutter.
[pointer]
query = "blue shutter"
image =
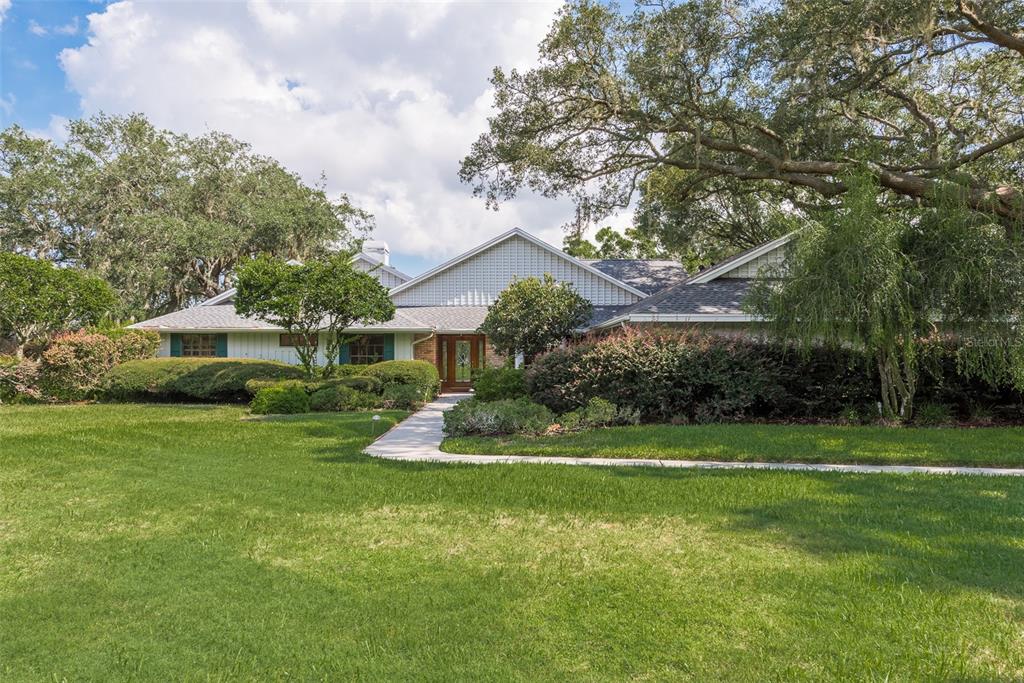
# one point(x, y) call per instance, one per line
point(389, 347)
point(344, 354)
point(222, 346)
point(175, 345)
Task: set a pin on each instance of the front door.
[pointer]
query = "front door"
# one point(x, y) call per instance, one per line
point(459, 354)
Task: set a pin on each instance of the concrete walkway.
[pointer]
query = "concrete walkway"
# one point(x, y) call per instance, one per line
point(417, 438)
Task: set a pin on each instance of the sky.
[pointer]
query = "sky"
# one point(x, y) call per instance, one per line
point(384, 99)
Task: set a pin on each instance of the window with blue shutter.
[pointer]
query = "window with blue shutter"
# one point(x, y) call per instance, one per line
point(222, 346)
point(175, 345)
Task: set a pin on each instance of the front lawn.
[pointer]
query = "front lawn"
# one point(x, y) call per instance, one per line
point(176, 542)
point(990, 446)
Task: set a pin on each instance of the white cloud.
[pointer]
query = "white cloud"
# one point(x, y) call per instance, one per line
point(36, 29)
point(69, 29)
point(4, 6)
point(386, 98)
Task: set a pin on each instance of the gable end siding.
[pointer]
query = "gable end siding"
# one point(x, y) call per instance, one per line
point(478, 280)
point(750, 269)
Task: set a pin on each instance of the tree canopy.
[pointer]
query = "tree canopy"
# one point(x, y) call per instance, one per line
point(38, 299)
point(532, 316)
point(163, 217)
point(676, 104)
point(610, 244)
point(321, 296)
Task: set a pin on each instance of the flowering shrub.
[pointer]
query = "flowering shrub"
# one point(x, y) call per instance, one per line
point(75, 364)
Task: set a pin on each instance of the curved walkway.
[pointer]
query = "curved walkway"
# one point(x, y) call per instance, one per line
point(416, 439)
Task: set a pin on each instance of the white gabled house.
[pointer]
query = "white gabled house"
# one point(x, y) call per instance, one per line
point(438, 313)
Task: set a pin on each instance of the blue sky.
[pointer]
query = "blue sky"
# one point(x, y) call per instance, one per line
point(32, 83)
point(383, 98)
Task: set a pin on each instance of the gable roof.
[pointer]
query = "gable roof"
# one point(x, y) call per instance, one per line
point(744, 257)
point(382, 266)
point(227, 294)
point(647, 275)
point(515, 232)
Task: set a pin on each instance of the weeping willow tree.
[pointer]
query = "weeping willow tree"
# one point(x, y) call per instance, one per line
point(887, 278)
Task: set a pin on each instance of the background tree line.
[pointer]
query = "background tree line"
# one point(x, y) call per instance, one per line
point(163, 217)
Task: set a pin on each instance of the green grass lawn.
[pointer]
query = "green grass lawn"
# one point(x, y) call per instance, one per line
point(170, 543)
point(990, 446)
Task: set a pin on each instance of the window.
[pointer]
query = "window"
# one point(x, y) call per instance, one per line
point(367, 349)
point(199, 345)
point(298, 340)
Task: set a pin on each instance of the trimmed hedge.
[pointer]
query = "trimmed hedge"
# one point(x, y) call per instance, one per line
point(284, 399)
point(417, 373)
point(369, 385)
point(338, 397)
point(195, 379)
point(689, 376)
point(495, 384)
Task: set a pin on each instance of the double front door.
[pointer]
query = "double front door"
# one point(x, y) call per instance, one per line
point(457, 356)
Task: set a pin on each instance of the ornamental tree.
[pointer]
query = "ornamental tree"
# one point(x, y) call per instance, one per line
point(532, 316)
point(885, 281)
point(322, 296)
point(38, 299)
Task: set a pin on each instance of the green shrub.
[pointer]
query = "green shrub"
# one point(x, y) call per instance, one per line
point(597, 413)
point(550, 379)
point(664, 375)
point(403, 396)
point(280, 400)
point(417, 373)
point(495, 384)
point(369, 385)
point(932, 415)
point(347, 370)
point(199, 379)
point(332, 399)
point(486, 418)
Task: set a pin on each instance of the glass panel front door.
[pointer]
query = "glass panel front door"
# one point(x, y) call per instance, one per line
point(463, 361)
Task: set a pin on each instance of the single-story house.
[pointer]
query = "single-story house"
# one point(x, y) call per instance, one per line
point(438, 313)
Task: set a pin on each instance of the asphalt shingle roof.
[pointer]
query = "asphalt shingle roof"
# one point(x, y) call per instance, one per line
point(649, 276)
point(224, 317)
point(718, 297)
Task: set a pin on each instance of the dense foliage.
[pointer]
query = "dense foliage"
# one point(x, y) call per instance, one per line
point(284, 399)
point(75, 365)
point(192, 379)
point(416, 373)
point(487, 418)
point(684, 377)
point(863, 275)
point(532, 316)
point(697, 102)
point(494, 384)
point(163, 217)
point(38, 299)
point(322, 296)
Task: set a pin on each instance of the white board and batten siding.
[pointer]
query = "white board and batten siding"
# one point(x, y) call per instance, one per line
point(750, 269)
point(267, 346)
point(477, 281)
point(386, 277)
